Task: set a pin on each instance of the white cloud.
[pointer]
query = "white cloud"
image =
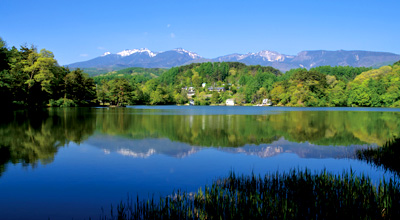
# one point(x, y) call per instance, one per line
point(172, 35)
point(100, 48)
point(84, 55)
point(168, 25)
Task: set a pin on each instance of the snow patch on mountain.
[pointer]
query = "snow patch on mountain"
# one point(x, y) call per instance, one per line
point(105, 54)
point(266, 55)
point(130, 153)
point(125, 53)
point(191, 54)
point(243, 56)
point(271, 56)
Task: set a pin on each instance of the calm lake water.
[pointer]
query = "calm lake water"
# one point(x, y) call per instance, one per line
point(69, 163)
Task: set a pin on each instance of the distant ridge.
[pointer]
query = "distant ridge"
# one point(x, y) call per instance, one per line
point(305, 59)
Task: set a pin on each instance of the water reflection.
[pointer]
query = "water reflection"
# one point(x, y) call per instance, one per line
point(386, 156)
point(144, 148)
point(330, 128)
point(141, 148)
point(30, 137)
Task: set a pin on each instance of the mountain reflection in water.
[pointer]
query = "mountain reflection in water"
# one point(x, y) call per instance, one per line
point(144, 148)
point(29, 137)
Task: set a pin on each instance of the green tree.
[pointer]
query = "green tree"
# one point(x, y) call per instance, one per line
point(337, 95)
point(196, 80)
point(79, 87)
point(215, 98)
point(120, 91)
point(359, 95)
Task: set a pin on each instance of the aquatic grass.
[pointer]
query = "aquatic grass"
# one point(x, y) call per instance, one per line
point(386, 156)
point(292, 195)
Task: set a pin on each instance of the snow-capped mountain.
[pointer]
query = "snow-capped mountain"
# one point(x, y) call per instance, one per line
point(306, 59)
point(309, 59)
point(140, 58)
point(262, 56)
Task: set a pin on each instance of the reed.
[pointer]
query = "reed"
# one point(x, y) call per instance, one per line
point(386, 156)
point(292, 195)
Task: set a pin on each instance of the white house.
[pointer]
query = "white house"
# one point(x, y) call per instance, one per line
point(230, 102)
point(267, 102)
point(190, 91)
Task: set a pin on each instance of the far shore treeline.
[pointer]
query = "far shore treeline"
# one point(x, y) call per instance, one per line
point(29, 78)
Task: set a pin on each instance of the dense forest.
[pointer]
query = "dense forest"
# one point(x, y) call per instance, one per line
point(29, 78)
point(33, 79)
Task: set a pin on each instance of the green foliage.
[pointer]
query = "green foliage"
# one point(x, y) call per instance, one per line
point(62, 102)
point(181, 97)
point(99, 71)
point(303, 88)
point(201, 99)
point(79, 87)
point(133, 74)
point(167, 88)
point(372, 88)
point(320, 86)
point(344, 73)
point(379, 87)
point(31, 79)
point(215, 98)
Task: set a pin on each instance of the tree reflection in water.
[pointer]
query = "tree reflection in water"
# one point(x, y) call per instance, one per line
point(28, 137)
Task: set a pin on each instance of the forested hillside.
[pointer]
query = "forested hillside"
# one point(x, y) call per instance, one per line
point(320, 86)
point(238, 80)
point(137, 74)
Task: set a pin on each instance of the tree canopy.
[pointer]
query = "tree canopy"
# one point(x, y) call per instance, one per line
point(34, 79)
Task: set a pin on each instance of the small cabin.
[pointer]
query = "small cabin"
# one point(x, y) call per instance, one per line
point(230, 102)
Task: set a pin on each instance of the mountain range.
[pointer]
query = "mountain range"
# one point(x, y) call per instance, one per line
point(177, 57)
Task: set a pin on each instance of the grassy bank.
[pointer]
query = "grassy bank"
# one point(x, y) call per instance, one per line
point(292, 195)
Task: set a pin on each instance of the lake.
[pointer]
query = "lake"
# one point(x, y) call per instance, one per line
point(70, 163)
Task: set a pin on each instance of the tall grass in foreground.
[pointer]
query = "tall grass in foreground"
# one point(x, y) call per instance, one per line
point(292, 195)
point(386, 156)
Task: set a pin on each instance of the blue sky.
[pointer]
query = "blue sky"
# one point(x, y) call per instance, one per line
point(81, 30)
